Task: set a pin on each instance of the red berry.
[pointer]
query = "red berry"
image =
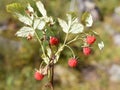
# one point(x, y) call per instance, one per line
point(38, 75)
point(54, 41)
point(90, 39)
point(29, 37)
point(86, 50)
point(72, 62)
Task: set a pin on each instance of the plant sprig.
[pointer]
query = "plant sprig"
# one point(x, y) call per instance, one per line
point(34, 24)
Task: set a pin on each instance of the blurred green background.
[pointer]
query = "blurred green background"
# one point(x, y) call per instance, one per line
point(18, 57)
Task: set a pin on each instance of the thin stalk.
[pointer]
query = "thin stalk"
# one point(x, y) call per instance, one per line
point(65, 39)
point(62, 47)
point(40, 44)
point(41, 65)
point(71, 50)
point(75, 39)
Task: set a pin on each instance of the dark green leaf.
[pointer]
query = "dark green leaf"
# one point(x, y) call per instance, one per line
point(15, 8)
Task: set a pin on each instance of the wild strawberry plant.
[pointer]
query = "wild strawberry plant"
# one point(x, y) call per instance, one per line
point(36, 27)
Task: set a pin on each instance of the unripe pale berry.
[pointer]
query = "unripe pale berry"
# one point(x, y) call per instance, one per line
point(90, 39)
point(29, 37)
point(38, 75)
point(54, 41)
point(86, 50)
point(72, 62)
point(28, 12)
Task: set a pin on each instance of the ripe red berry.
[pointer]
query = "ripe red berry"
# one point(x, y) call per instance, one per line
point(29, 37)
point(54, 41)
point(86, 50)
point(72, 62)
point(90, 39)
point(38, 75)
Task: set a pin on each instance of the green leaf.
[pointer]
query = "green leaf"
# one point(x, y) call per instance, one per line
point(36, 23)
point(25, 31)
point(29, 7)
point(24, 19)
point(39, 33)
point(39, 23)
point(69, 19)
point(31, 10)
point(64, 25)
point(76, 28)
point(87, 19)
point(15, 8)
point(73, 25)
point(41, 8)
point(101, 45)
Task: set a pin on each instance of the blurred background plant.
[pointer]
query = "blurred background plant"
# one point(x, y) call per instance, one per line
point(18, 57)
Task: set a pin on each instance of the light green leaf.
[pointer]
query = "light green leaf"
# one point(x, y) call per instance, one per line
point(25, 31)
point(64, 25)
point(51, 20)
point(41, 8)
point(69, 19)
point(76, 28)
point(36, 23)
point(46, 59)
point(31, 10)
point(39, 23)
point(29, 7)
point(101, 45)
point(87, 19)
point(49, 52)
point(24, 19)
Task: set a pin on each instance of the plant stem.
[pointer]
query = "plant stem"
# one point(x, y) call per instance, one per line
point(62, 47)
point(65, 39)
point(40, 43)
point(75, 39)
point(52, 77)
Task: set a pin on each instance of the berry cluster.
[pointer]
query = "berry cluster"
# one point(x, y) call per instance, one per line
point(89, 40)
point(72, 62)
